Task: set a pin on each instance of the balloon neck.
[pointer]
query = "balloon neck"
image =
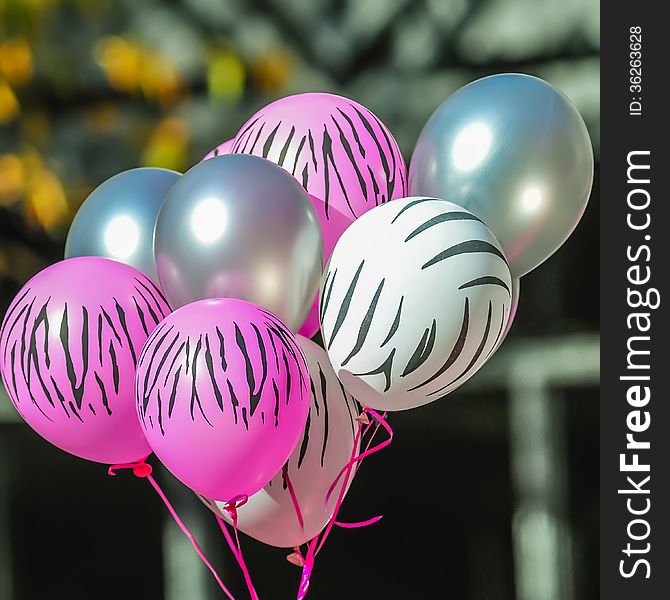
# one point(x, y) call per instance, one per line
point(140, 468)
point(295, 558)
point(232, 506)
point(363, 418)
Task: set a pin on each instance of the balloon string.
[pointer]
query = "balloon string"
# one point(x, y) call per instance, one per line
point(340, 497)
point(294, 497)
point(374, 433)
point(306, 575)
point(307, 561)
point(143, 470)
point(315, 545)
point(368, 451)
point(235, 546)
point(307, 564)
point(357, 524)
point(372, 520)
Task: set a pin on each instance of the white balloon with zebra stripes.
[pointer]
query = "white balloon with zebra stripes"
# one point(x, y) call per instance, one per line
point(414, 299)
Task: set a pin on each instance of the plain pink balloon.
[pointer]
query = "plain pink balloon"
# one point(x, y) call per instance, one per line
point(323, 451)
point(225, 148)
point(69, 345)
point(339, 150)
point(333, 226)
point(222, 395)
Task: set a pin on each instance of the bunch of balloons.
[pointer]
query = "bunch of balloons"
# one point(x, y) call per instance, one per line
point(179, 322)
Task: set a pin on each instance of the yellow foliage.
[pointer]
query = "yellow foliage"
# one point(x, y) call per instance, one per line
point(46, 200)
point(26, 178)
point(168, 145)
point(16, 61)
point(40, 5)
point(273, 70)
point(172, 128)
point(9, 103)
point(160, 79)
point(226, 76)
point(12, 179)
point(131, 68)
point(121, 61)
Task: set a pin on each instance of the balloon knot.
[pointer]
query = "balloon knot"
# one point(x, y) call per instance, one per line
point(233, 505)
point(236, 503)
point(363, 419)
point(142, 469)
point(295, 558)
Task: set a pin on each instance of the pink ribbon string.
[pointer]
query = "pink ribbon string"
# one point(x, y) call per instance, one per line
point(374, 433)
point(307, 561)
point(372, 520)
point(357, 524)
point(143, 470)
point(235, 546)
point(340, 497)
point(307, 564)
point(367, 452)
point(306, 575)
point(315, 545)
point(294, 498)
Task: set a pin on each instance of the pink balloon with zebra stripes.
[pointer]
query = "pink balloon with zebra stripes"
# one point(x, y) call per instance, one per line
point(69, 346)
point(339, 150)
point(223, 393)
point(220, 150)
point(332, 227)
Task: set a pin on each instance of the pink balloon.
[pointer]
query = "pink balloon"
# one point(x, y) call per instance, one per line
point(225, 148)
point(323, 451)
point(69, 344)
point(335, 147)
point(333, 226)
point(222, 395)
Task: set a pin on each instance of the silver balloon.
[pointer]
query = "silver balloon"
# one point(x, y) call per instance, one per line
point(513, 150)
point(240, 226)
point(117, 219)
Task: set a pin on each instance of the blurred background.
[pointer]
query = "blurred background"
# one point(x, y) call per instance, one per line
point(489, 494)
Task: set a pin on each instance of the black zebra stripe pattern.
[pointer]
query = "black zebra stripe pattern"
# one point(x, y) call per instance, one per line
point(339, 150)
point(414, 299)
point(218, 369)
